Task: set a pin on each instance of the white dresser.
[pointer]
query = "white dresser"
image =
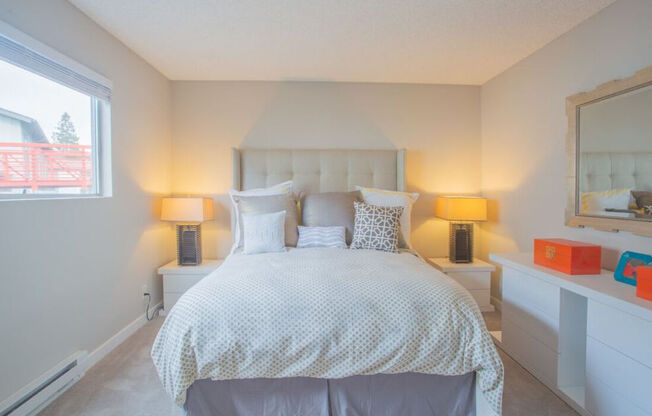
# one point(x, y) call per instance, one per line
point(588, 337)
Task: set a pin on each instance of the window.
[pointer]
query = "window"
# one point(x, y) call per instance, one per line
point(54, 123)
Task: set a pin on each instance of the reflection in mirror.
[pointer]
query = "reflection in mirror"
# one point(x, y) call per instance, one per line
point(614, 156)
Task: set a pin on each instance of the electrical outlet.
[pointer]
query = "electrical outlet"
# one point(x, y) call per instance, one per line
point(145, 289)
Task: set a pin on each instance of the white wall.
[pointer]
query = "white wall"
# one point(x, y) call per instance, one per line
point(524, 129)
point(438, 125)
point(71, 270)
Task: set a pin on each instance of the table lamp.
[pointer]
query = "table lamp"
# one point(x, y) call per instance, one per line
point(188, 213)
point(461, 211)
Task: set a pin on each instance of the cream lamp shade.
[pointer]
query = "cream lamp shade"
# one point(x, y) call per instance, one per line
point(461, 208)
point(187, 210)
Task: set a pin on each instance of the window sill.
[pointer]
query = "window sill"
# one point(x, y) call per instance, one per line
point(53, 198)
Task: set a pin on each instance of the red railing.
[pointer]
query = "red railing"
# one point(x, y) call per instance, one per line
point(42, 165)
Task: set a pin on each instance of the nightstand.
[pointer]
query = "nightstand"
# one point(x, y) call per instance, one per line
point(177, 279)
point(475, 277)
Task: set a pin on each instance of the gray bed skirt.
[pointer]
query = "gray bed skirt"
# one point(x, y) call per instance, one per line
point(378, 395)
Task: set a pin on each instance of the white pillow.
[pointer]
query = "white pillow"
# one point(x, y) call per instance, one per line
point(264, 233)
point(278, 189)
point(595, 203)
point(322, 237)
point(385, 198)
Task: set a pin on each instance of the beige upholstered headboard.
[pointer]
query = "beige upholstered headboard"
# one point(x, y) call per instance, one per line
point(603, 171)
point(319, 170)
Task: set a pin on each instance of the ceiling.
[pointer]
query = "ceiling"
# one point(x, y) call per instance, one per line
point(410, 41)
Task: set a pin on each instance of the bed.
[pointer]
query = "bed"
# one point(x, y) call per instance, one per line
point(606, 180)
point(326, 331)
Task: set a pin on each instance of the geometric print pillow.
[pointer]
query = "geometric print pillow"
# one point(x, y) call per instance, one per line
point(375, 227)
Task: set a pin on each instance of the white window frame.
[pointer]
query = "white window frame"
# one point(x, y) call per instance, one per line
point(100, 113)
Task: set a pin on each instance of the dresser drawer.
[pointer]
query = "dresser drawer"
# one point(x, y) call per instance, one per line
point(602, 400)
point(180, 282)
point(472, 280)
point(629, 378)
point(625, 333)
point(530, 352)
point(534, 322)
point(523, 290)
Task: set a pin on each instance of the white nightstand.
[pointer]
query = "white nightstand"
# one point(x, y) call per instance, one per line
point(475, 277)
point(177, 279)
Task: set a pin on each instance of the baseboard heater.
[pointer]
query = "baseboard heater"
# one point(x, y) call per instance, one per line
point(35, 396)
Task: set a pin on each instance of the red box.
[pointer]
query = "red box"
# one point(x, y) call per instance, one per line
point(567, 256)
point(644, 282)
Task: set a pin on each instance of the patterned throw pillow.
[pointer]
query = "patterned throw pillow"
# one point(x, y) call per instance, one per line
point(386, 198)
point(321, 237)
point(376, 228)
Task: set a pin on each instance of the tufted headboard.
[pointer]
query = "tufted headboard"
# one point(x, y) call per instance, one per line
point(319, 170)
point(605, 171)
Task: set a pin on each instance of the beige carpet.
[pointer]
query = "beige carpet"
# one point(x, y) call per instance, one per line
point(125, 384)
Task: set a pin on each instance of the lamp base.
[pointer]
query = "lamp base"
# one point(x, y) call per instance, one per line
point(461, 242)
point(188, 244)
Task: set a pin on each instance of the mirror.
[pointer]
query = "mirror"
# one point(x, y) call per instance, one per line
point(610, 156)
point(614, 155)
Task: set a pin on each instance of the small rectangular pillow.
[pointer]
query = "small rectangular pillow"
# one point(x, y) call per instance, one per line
point(330, 209)
point(271, 203)
point(321, 237)
point(376, 228)
point(264, 233)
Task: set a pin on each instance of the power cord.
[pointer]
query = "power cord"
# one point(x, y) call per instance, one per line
point(149, 299)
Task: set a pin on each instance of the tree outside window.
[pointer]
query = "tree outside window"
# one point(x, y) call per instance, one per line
point(64, 132)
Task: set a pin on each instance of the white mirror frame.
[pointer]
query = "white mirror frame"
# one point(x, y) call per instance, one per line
point(573, 103)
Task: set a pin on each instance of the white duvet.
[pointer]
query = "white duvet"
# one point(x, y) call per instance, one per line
point(325, 313)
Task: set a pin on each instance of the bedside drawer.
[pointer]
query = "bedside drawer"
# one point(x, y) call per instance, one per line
point(472, 280)
point(481, 296)
point(169, 300)
point(180, 282)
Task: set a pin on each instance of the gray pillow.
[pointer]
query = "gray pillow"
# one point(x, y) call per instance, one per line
point(330, 209)
point(643, 198)
point(267, 204)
